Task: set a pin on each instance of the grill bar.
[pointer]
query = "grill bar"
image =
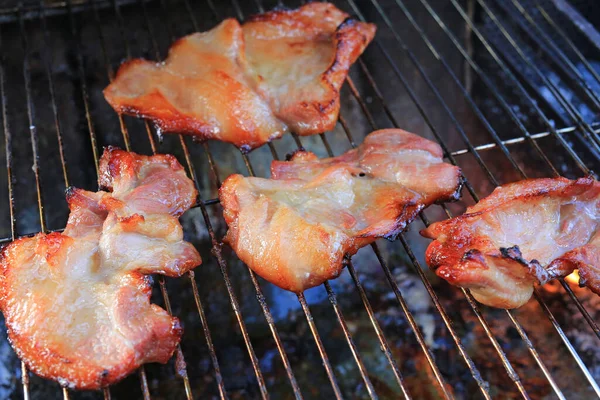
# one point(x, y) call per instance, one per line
point(380, 336)
point(514, 117)
point(568, 107)
point(382, 340)
point(348, 336)
point(506, 363)
point(34, 147)
point(313, 328)
point(301, 298)
point(567, 343)
point(487, 82)
point(181, 365)
point(519, 86)
point(517, 325)
point(417, 332)
point(507, 108)
point(536, 356)
point(568, 41)
point(496, 93)
point(545, 43)
point(466, 95)
point(474, 371)
point(260, 296)
point(124, 133)
point(483, 385)
point(561, 333)
point(84, 90)
point(432, 364)
point(534, 353)
point(585, 170)
point(11, 198)
point(179, 355)
point(47, 60)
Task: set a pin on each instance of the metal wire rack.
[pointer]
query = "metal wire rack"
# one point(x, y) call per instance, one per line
point(457, 52)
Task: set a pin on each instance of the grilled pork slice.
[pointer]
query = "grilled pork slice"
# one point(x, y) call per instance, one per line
point(248, 84)
point(295, 229)
point(77, 304)
point(524, 233)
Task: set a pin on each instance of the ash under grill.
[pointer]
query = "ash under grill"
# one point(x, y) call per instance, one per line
point(510, 89)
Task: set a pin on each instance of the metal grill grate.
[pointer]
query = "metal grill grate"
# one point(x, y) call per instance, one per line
point(467, 74)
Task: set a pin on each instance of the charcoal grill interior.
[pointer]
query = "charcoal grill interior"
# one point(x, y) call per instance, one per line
point(510, 89)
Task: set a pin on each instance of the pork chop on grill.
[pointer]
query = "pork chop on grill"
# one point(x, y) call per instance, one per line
point(295, 229)
point(248, 84)
point(77, 303)
point(524, 233)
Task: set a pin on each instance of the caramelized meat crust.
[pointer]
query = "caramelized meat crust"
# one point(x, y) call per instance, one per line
point(248, 84)
point(524, 233)
point(295, 229)
point(77, 304)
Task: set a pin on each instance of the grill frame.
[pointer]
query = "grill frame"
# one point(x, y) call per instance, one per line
point(590, 135)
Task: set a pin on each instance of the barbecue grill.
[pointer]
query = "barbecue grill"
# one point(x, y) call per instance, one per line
point(509, 89)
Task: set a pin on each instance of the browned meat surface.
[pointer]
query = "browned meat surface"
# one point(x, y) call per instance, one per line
point(248, 84)
point(77, 304)
point(523, 233)
point(295, 230)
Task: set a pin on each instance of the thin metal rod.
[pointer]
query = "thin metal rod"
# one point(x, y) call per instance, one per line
point(490, 85)
point(521, 139)
point(567, 343)
point(33, 136)
point(483, 385)
point(584, 168)
point(565, 103)
point(505, 360)
point(217, 253)
point(181, 366)
point(380, 336)
point(477, 376)
point(208, 336)
point(342, 321)
point(375, 324)
point(432, 87)
point(144, 383)
point(331, 294)
point(47, 59)
point(563, 61)
point(535, 354)
point(125, 135)
point(182, 369)
point(34, 142)
point(580, 306)
point(553, 170)
point(515, 83)
point(313, 328)
point(466, 95)
point(569, 291)
point(509, 368)
point(260, 296)
point(567, 40)
point(475, 307)
point(11, 197)
point(82, 81)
